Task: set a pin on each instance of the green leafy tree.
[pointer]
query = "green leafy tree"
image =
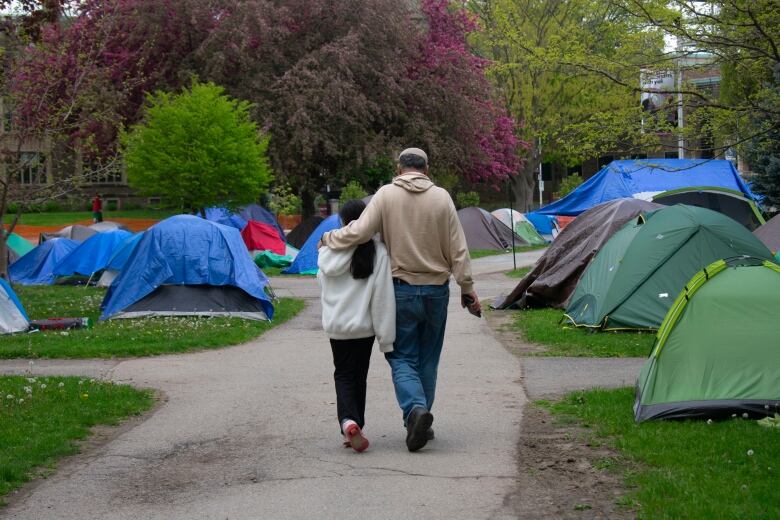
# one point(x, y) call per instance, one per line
point(352, 191)
point(284, 201)
point(199, 149)
point(568, 185)
point(467, 199)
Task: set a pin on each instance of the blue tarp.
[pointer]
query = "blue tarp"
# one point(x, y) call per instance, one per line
point(643, 178)
point(186, 250)
point(225, 217)
point(306, 261)
point(120, 256)
point(6, 288)
point(93, 254)
point(542, 223)
point(37, 266)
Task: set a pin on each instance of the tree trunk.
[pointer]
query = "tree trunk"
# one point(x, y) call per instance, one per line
point(524, 182)
point(307, 202)
point(3, 255)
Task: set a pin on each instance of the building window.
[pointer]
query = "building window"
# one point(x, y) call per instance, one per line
point(111, 173)
point(30, 168)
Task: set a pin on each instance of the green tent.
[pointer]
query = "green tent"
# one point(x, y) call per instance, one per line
point(522, 226)
point(717, 351)
point(18, 246)
point(632, 281)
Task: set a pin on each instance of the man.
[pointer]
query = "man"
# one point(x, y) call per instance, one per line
point(97, 209)
point(420, 227)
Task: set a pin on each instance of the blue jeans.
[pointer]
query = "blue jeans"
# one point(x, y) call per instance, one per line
point(421, 316)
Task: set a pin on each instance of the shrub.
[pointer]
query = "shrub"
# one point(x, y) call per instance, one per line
point(466, 199)
point(352, 191)
point(284, 201)
point(568, 185)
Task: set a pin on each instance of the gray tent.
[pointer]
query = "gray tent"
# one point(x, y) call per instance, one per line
point(108, 225)
point(555, 275)
point(484, 231)
point(769, 234)
point(731, 203)
point(75, 232)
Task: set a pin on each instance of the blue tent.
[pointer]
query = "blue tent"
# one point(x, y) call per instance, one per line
point(225, 217)
point(93, 254)
point(260, 214)
point(643, 178)
point(12, 315)
point(306, 261)
point(37, 266)
point(186, 265)
point(542, 223)
point(120, 256)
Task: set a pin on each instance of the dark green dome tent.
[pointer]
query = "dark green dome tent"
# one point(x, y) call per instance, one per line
point(723, 200)
point(717, 351)
point(633, 280)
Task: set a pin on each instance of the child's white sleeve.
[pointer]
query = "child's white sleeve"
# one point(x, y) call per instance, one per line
point(383, 306)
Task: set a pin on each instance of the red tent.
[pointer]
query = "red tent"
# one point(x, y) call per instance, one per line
point(262, 237)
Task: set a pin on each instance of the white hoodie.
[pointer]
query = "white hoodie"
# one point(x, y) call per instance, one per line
point(353, 309)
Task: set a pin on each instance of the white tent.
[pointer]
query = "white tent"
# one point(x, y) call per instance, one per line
point(12, 315)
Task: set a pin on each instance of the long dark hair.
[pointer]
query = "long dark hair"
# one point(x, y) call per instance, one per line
point(363, 258)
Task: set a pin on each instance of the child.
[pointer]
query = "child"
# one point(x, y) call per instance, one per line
point(358, 303)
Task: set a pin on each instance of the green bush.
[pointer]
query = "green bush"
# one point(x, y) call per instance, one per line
point(284, 201)
point(352, 191)
point(568, 185)
point(467, 199)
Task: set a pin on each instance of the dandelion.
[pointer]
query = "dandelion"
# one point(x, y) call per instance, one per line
point(81, 382)
point(750, 453)
point(43, 386)
point(91, 380)
point(745, 415)
point(61, 385)
point(9, 396)
point(84, 396)
point(31, 380)
point(27, 389)
point(20, 401)
point(709, 421)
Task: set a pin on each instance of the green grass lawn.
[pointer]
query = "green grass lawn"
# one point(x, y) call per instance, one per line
point(518, 273)
point(40, 418)
point(684, 469)
point(481, 253)
point(125, 337)
point(541, 326)
point(65, 218)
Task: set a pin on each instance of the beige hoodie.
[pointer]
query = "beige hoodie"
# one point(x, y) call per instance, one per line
point(420, 227)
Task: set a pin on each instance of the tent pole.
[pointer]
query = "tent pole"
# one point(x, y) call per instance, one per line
point(512, 224)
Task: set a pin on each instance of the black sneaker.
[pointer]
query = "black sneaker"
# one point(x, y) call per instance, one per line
point(417, 425)
point(429, 434)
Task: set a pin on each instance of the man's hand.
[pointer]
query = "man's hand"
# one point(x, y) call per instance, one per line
point(471, 302)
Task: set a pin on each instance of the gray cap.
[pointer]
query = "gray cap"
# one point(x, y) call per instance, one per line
point(414, 151)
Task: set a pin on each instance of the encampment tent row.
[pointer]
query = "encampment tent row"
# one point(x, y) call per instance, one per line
point(118, 260)
point(731, 203)
point(717, 351)
point(646, 178)
point(37, 267)
point(555, 275)
point(92, 255)
point(485, 232)
point(306, 261)
point(633, 280)
point(189, 266)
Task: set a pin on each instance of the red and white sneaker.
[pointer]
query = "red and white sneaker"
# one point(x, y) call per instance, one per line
point(354, 437)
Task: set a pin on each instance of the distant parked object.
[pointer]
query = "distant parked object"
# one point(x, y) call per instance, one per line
point(555, 275)
point(731, 203)
point(769, 234)
point(485, 232)
point(717, 349)
point(646, 178)
point(189, 266)
point(37, 267)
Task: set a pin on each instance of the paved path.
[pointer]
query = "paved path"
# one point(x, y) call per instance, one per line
point(250, 432)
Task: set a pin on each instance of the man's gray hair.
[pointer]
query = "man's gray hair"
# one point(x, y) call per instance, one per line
point(412, 160)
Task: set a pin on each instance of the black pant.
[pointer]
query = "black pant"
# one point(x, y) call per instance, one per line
point(351, 358)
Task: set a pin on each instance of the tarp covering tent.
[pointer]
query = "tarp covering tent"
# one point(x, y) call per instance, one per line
point(484, 231)
point(306, 261)
point(769, 234)
point(555, 275)
point(107, 225)
point(225, 217)
point(717, 351)
point(731, 203)
point(188, 266)
point(118, 260)
point(644, 178)
point(13, 318)
point(92, 255)
point(521, 225)
point(257, 213)
point(633, 280)
point(37, 267)
point(298, 236)
point(546, 225)
point(75, 232)
point(19, 245)
point(259, 236)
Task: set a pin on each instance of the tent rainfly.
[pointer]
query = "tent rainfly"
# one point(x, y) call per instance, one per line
point(118, 260)
point(12, 315)
point(485, 232)
point(731, 203)
point(631, 283)
point(37, 267)
point(555, 275)
point(75, 232)
point(520, 224)
point(92, 255)
point(716, 352)
point(769, 234)
point(298, 236)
